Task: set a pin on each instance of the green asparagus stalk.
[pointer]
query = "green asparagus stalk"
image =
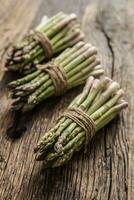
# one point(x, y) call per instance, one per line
point(101, 100)
point(78, 63)
point(62, 30)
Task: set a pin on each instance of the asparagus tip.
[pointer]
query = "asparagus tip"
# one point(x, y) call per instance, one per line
point(11, 84)
point(123, 104)
point(73, 16)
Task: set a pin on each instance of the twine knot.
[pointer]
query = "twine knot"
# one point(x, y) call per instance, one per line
point(44, 42)
point(57, 75)
point(83, 120)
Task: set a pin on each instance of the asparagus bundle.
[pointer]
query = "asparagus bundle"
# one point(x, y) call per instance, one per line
point(49, 38)
point(100, 101)
point(76, 64)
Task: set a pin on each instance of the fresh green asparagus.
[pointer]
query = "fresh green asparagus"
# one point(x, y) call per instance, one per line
point(78, 62)
point(101, 100)
point(62, 31)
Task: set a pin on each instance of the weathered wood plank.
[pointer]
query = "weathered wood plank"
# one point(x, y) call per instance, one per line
point(18, 171)
point(112, 26)
point(106, 173)
point(15, 15)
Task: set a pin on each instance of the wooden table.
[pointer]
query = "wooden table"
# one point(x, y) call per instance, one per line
point(107, 172)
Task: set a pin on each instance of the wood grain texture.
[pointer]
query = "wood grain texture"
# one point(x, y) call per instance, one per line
point(107, 172)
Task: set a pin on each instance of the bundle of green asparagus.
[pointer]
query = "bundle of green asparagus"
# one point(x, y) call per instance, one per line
point(49, 38)
point(69, 69)
point(97, 105)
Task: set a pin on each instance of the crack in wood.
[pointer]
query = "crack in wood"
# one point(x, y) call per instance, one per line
point(108, 39)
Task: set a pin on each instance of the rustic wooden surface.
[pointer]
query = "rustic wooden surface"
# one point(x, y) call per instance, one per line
point(107, 172)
